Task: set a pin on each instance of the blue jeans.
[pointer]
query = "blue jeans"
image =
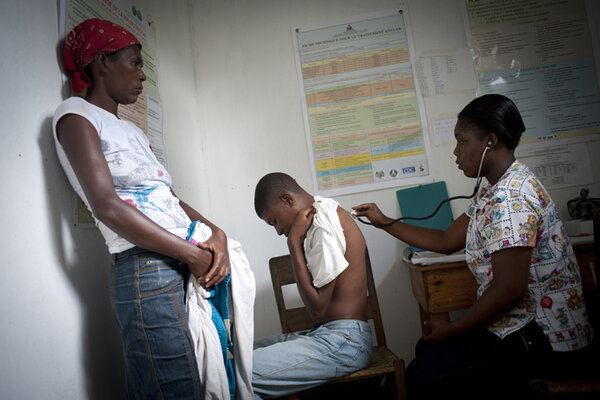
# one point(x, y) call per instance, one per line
point(147, 295)
point(291, 362)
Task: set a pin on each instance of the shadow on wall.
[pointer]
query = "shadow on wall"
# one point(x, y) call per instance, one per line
point(399, 310)
point(86, 262)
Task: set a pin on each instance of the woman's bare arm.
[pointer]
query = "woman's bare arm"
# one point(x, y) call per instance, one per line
point(510, 268)
point(81, 144)
point(217, 244)
point(446, 242)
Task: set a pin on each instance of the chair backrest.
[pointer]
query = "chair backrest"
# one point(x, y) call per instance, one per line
point(297, 319)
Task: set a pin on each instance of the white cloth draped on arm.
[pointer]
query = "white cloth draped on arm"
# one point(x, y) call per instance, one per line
point(325, 244)
point(204, 334)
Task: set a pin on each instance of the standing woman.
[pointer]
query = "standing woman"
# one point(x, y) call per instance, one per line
point(529, 304)
point(109, 163)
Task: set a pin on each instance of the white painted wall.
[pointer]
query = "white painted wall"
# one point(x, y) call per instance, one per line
point(232, 110)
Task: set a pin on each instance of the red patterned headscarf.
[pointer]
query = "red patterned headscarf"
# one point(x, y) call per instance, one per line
point(88, 38)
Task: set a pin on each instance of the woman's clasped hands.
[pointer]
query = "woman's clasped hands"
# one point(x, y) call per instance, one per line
point(218, 266)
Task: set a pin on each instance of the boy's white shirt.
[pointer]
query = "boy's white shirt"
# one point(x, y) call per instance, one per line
point(325, 244)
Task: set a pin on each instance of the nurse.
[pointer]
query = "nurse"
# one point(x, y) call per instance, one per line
point(529, 311)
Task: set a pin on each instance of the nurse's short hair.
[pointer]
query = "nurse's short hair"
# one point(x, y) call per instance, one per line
point(270, 187)
point(497, 114)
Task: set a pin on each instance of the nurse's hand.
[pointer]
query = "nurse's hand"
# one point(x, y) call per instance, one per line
point(440, 331)
point(372, 212)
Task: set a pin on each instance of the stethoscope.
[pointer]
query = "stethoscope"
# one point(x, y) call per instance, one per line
point(477, 184)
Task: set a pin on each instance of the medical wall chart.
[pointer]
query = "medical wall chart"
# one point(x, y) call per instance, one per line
point(363, 115)
point(539, 53)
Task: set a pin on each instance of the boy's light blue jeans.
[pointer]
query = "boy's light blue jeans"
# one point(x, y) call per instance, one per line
point(291, 362)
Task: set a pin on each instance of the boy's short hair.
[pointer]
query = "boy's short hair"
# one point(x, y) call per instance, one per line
point(270, 187)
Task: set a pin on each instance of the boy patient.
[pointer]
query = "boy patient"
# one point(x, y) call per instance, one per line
point(328, 257)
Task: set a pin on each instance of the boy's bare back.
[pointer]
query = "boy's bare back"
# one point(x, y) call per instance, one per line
point(350, 292)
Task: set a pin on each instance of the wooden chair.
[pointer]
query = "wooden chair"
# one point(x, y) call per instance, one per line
point(385, 365)
point(583, 387)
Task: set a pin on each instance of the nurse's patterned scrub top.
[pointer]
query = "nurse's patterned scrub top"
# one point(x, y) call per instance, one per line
point(517, 211)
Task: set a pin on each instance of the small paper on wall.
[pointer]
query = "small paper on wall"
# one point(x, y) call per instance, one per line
point(443, 129)
point(445, 72)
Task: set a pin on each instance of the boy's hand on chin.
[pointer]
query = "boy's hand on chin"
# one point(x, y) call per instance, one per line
point(301, 224)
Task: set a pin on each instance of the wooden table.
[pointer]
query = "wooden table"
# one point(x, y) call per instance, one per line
point(442, 288)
